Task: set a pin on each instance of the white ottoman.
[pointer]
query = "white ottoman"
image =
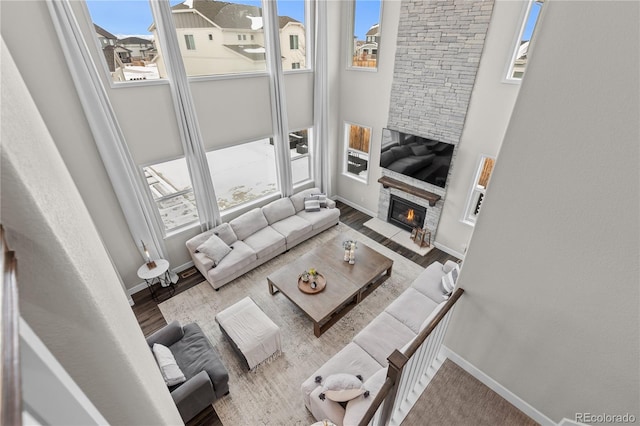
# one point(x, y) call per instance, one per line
point(251, 332)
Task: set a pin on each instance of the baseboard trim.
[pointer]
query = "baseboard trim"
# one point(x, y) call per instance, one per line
point(142, 286)
point(356, 206)
point(512, 398)
point(448, 250)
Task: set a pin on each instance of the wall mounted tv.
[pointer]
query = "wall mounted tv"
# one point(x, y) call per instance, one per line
point(424, 159)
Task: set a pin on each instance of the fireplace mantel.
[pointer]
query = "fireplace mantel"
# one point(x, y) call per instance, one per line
point(386, 182)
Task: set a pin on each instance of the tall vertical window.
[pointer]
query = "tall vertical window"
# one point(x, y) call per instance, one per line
point(300, 149)
point(188, 39)
point(363, 46)
point(357, 139)
point(170, 186)
point(243, 173)
point(521, 51)
point(229, 23)
point(478, 189)
point(129, 49)
point(293, 33)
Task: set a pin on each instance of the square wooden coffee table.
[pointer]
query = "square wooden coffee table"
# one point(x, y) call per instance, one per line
point(346, 284)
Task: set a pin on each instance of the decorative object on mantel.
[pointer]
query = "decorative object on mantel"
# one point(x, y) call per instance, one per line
point(350, 247)
point(311, 281)
point(150, 263)
point(421, 237)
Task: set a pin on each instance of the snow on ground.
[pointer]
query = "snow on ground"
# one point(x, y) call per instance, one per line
point(136, 72)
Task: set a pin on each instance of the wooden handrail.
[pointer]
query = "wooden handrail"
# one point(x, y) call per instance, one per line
point(397, 360)
point(11, 409)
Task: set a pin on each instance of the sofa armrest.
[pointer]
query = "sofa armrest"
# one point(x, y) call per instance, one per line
point(331, 204)
point(167, 335)
point(448, 266)
point(193, 396)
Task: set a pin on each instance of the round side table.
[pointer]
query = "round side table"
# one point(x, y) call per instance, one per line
point(160, 275)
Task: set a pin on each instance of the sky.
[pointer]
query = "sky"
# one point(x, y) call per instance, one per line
point(133, 17)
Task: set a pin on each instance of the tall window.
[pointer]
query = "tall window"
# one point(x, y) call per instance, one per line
point(228, 52)
point(363, 46)
point(300, 149)
point(478, 189)
point(170, 187)
point(357, 139)
point(188, 39)
point(128, 48)
point(521, 51)
point(293, 33)
point(243, 173)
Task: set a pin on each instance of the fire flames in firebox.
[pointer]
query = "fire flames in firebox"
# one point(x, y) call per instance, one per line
point(410, 215)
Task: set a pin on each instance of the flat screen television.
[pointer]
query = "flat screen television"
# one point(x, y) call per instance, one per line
point(421, 158)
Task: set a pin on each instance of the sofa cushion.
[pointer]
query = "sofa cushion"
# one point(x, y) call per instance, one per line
point(239, 258)
point(226, 234)
point(171, 373)
point(326, 408)
point(320, 219)
point(382, 336)
point(265, 241)
point(293, 228)
point(214, 248)
point(357, 407)
point(351, 359)
point(298, 199)
point(429, 282)
point(194, 353)
point(411, 308)
point(249, 223)
point(278, 210)
point(432, 315)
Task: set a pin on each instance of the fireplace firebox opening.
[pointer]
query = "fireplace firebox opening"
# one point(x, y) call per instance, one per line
point(405, 214)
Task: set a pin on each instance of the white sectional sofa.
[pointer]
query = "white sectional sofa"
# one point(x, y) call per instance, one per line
point(367, 353)
point(261, 234)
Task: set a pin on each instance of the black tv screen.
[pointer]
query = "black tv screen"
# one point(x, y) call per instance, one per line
point(421, 158)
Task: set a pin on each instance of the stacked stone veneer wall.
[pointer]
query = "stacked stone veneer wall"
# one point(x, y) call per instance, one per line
point(437, 58)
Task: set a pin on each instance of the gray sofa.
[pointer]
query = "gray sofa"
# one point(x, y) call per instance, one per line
point(260, 235)
point(366, 354)
point(207, 378)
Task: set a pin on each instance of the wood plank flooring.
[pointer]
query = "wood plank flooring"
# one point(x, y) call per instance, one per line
point(150, 319)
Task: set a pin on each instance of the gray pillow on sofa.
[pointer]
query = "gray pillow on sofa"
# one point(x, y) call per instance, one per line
point(215, 249)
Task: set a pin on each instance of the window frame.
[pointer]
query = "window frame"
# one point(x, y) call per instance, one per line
point(346, 149)
point(468, 217)
point(167, 233)
point(524, 18)
point(351, 16)
point(190, 41)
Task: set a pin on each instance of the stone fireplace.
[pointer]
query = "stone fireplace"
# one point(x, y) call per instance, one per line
point(437, 57)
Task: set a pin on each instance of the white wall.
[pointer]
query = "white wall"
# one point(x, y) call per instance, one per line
point(364, 100)
point(551, 309)
point(69, 292)
point(489, 111)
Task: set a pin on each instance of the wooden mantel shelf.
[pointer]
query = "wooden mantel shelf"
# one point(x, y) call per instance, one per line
point(386, 182)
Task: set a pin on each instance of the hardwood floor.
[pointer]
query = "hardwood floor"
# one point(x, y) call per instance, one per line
point(150, 319)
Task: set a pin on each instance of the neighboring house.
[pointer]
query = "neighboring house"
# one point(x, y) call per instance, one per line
point(115, 54)
point(369, 49)
point(140, 48)
point(219, 38)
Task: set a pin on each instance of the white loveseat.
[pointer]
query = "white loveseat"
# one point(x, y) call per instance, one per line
point(367, 353)
point(260, 235)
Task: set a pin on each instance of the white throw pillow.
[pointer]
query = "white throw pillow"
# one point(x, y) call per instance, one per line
point(215, 249)
point(450, 278)
point(342, 387)
point(171, 373)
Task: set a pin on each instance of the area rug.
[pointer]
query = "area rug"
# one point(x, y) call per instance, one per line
point(271, 394)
